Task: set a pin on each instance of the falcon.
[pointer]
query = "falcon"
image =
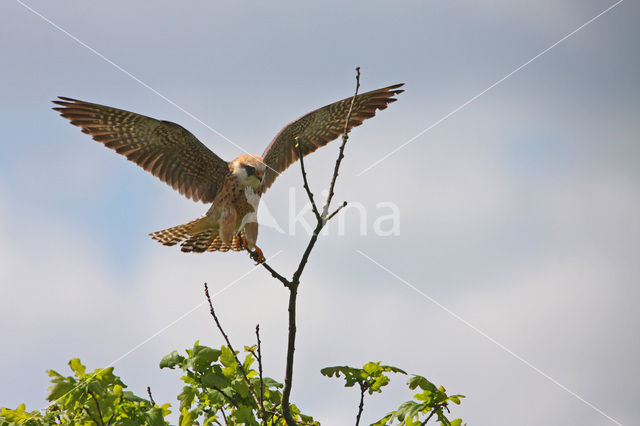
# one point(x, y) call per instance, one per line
point(177, 157)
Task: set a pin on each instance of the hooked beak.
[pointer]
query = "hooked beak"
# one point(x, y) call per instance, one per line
point(260, 175)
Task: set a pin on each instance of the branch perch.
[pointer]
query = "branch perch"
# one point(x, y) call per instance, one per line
point(294, 282)
point(306, 183)
point(322, 218)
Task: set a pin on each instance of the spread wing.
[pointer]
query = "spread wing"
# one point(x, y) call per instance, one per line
point(167, 150)
point(320, 127)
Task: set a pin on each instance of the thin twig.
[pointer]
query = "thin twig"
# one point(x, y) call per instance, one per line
point(276, 415)
point(343, 205)
point(114, 411)
point(224, 416)
point(276, 275)
point(307, 252)
point(305, 182)
point(244, 374)
point(295, 280)
point(260, 369)
point(150, 396)
point(361, 407)
point(432, 413)
point(345, 137)
point(93, 395)
point(229, 398)
point(89, 413)
point(325, 209)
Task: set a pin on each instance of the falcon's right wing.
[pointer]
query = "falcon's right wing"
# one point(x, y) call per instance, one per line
point(320, 127)
point(165, 149)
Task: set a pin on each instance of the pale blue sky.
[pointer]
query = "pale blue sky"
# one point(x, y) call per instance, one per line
point(520, 213)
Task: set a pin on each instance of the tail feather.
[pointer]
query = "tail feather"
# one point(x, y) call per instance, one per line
point(172, 236)
point(198, 242)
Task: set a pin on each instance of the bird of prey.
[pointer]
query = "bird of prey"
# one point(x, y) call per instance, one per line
point(173, 154)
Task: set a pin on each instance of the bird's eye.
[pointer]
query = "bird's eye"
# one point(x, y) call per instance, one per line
point(250, 170)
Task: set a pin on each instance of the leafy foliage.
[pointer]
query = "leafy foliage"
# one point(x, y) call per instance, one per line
point(432, 401)
point(370, 377)
point(215, 392)
point(96, 398)
point(216, 389)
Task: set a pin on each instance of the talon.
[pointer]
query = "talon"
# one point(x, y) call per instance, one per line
point(257, 255)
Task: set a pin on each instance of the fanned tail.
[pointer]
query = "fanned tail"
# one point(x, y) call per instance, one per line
point(198, 241)
point(172, 236)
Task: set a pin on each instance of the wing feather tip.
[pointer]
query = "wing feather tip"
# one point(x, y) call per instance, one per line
point(64, 98)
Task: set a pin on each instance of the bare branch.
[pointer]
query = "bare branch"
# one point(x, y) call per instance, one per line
point(292, 285)
point(291, 342)
point(361, 407)
point(260, 370)
point(235, 356)
point(295, 280)
point(343, 205)
point(345, 137)
point(150, 396)
point(276, 275)
point(93, 395)
point(305, 182)
point(224, 416)
point(433, 411)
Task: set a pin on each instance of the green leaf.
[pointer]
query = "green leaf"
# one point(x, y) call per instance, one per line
point(185, 418)
point(244, 414)
point(408, 409)
point(455, 399)
point(95, 387)
point(106, 375)
point(215, 380)
point(171, 360)
point(130, 396)
point(217, 398)
point(241, 387)
point(59, 390)
point(126, 422)
point(227, 357)
point(203, 357)
point(77, 367)
point(155, 417)
point(268, 382)
point(424, 384)
point(186, 397)
point(372, 368)
point(331, 371)
point(393, 369)
point(246, 365)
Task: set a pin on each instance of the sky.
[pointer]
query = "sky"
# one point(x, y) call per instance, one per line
point(512, 277)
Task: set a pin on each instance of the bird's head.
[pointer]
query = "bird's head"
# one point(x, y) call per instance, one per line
point(249, 169)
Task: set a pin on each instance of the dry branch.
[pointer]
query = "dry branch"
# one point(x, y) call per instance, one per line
point(294, 282)
point(235, 356)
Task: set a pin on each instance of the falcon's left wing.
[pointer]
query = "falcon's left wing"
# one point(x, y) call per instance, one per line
point(320, 127)
point(165, 149)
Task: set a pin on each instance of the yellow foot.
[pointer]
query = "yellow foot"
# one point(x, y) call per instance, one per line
point(257, 255)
